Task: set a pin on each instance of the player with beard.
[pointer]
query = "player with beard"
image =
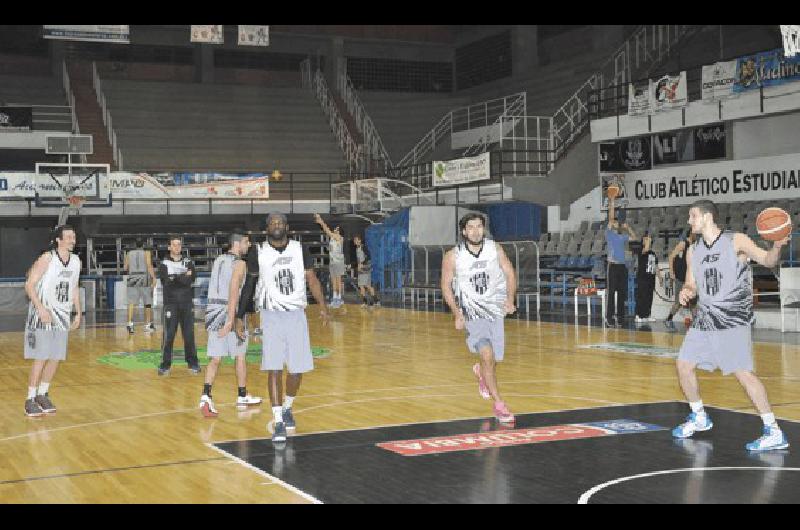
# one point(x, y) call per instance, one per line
point(485, 287)
point(285, 266)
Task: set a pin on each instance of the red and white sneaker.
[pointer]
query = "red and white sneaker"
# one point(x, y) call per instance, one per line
point(482, 389)
point(246, 401)
point(502, 413)
point(207, 407)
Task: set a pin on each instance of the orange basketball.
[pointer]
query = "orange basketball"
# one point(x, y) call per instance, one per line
point(612, 191)
point(774, 224)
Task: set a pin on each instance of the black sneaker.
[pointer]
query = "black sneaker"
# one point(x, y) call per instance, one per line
point(163, 371)
point(279, 436)
point(129, 327)
point(149, 328)
point(32, 408)
point(288, 420)
point(43, 400)
point(609, 323)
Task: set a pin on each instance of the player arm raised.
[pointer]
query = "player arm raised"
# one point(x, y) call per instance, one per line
point(34, 275)
point(511, 279)
point(325, 228)
point(768, 258)
point(448, 272)
point(239, 270)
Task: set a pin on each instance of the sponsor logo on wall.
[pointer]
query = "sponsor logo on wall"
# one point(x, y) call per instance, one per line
point(631, 154)
point(766, 69)
point(718, 80)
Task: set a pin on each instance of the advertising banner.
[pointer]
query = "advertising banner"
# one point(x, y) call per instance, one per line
point(718, 79)
point(461, 170)
point(119, 33)
point(208, 34)
point(767, 69)
point(631, 154)
point(253, 35)
point(668, 92)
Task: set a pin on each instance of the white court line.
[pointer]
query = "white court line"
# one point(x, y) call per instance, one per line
point(584, 499)
point(274, 480)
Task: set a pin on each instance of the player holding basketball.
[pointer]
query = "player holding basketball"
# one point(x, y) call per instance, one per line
point(485, 287)
point(224, 288)
point(719, 275)
point(52, 287)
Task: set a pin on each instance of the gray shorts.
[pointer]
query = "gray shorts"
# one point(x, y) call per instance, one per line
point(227, 346)
point(336, 268)
point(483, 332)
point(285, 341)
point(364, 279)
point(44, 345)
point(730, 350)
point(138, 295)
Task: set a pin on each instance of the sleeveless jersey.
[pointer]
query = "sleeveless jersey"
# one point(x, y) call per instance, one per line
point(219, 291)
point(724, 285)
point(282, 278)
point(137, 269)
point(335, 251)
point(480, 285)
point(361, 256)
point(56, 290)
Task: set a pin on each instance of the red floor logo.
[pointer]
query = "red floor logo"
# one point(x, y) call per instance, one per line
point(486, 440)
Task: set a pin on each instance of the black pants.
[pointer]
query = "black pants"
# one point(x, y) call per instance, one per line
point(182, 314)
point(617, 280)
point(644, 294)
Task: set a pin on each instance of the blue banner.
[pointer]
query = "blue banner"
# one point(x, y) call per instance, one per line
point(765, 69)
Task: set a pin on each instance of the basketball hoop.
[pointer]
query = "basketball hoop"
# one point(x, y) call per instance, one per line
point(76, 201)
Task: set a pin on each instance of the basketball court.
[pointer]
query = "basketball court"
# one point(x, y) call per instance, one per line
point(399, 377)
point(204, 144)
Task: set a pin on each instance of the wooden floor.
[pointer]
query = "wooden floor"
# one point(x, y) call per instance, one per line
point(131, 436)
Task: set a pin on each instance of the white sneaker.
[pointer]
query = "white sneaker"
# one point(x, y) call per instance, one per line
point(694, 423)
point(640, 320)
point(207, 407)
point(773, 438)
point(247, 401)
point(149, 328)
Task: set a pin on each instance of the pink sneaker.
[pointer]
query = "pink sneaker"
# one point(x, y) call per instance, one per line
point(502, 413)
point(482, 390)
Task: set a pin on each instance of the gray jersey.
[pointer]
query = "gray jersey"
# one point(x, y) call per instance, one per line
point(219, 291)
point(724, 285)
point(361, 256)
point(335, 251)
point(137, 268)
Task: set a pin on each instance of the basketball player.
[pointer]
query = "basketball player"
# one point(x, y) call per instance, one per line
point(177, 276)
point(485, 287)
point(677, 272)
point(52, 287)
point(364, 274)
point(224, 287)
point(284, 268)
point(247, 309)
point(336, 267)
point(719, 275)
point(141, 279)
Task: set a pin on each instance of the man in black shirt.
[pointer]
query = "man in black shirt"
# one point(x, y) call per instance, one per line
point(246, 299)
point(177, 276)
point(645, 280)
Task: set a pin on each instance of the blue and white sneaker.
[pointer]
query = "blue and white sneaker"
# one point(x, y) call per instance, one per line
point(772, 439)
point(279, 434)
point(694, 423)
point(288, 420)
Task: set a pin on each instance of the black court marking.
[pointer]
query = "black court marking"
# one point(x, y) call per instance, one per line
point(111, 470)
point(348, 467)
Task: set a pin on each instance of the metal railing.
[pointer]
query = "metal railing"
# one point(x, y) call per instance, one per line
point(316, 82)
point(495, 114)
point(373, 144)
point(462, 119)
point(116, 152)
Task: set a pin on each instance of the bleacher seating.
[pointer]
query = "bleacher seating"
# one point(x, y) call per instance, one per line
point(403, 118)
point(216, 127)
point(42, 93)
